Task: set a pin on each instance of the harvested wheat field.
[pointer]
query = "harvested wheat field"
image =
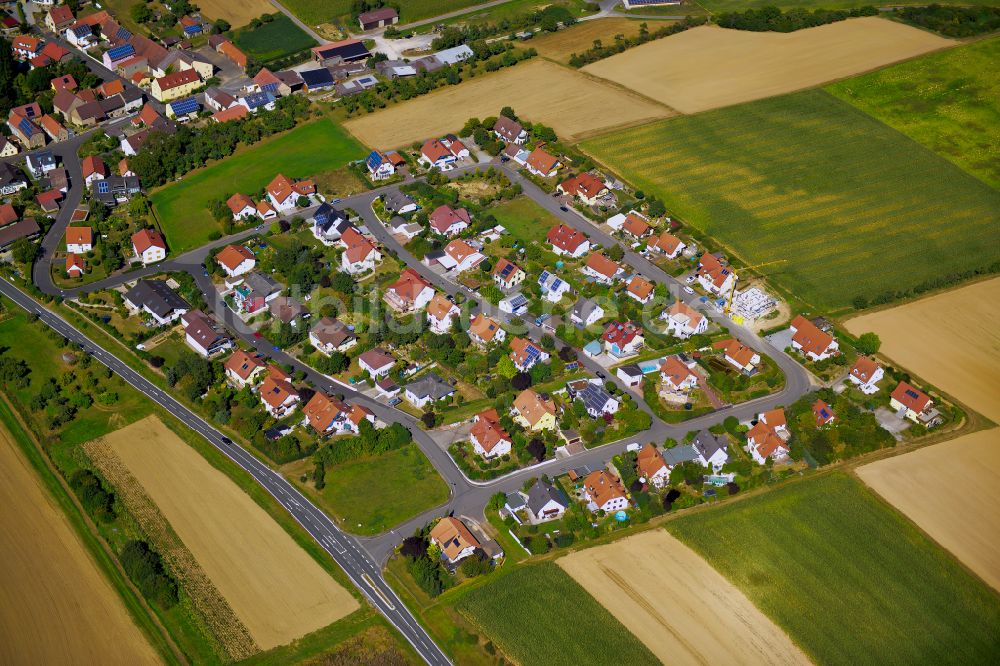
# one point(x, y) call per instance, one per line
point(276, 590)
point(572, 103)
point(236, 13)
point(682, 609)
point(559, 46)
point(950, 491)
point(951, 340)
point(709, 67)
point(55, 605)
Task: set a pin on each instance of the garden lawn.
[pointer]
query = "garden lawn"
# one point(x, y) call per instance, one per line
point(854, 208)
point(372, 495)
point(277, 39)
point(539, 615)
point(182, 206)
point(524, 219)
point(850, 579)
point(946, 101)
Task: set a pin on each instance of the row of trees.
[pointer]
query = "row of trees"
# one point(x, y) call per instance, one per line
point(953, 21)
point(862, 302)
point(98, 501)
point(772, 19)
point(599, 50)
point(145, 567)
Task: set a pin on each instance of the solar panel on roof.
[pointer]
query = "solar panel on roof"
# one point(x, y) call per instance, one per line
point(912, 393)
point(121, 52)
point(555, 285)
point(26, 126)
point(103, 187)
point(123, 34)
point(184, 106)
point(270, 87)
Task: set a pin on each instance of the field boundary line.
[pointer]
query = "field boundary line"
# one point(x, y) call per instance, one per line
point(85, 529)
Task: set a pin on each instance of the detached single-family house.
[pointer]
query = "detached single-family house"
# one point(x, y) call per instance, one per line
point(360, 253)
point(325, 413)
point(912, 403)
point(668, 244)
point(509, 131)
point(813, 343)
point(633, 223)
point(640, 289)
point(713, 276)
point(586, 187)
point(448, 221)
point(409, 293)
point(677, 375)
point(542, 164)
point(454, 539)
point(713, 450)
point(768, 438)
point(586, 312)
point(533, 411)
point(546, 502)
point(331, 335)
point(602, 269)
point(441, 313)
point(604, 492)
point(566, 240)
point(442, 153)
point(149, 246)
point(256, 291)
point(377, 362)
point(397, 203)
point(279, 396)
point(329, 224)
point(488, 437)
point(484, 330)
point(683, 321)
point(79, 240)
point(459, 256)
point(175, 85)
point(59, 18)
point(738, 355)
point(76, 266)
point(203, 335)
point(651, 466)
point(823, 413)
point(507, 274)
point(379, 166)
point(283, 193)
point(242, 368)
point(623, 339)
point(526, 353)
point(427, 390)
point(236, 260)
point(515, 304)
point(553, 287)
point(157, 299)
point(594, 397)
point(287, 310)
point(866, 374)
point(93, 168)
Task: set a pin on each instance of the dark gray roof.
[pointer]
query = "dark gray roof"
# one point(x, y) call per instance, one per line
point(632, 370)
point(583, 307)
point(11, 174)
point(261, 284)
point(541, 493)
point(679, 454)
point(593, 396)
point(395, 201)
point(430, 385)
point(157, 297)
point(21, 229)
point(516, 501)
point(707, 444)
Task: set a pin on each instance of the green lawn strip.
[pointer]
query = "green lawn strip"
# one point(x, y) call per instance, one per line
point(822, 186)
point(524, 219)
point(848, 577)
point(61, 495)
point(276, 39)
point(528, 609)
point(383, 491)
point(182, 206)
point(947, 101)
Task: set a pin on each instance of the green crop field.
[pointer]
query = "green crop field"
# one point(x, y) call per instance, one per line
point(182, 207)
point(850, 579)
point(539, 615)
point(314, 12)
point(739, 5)
point(853, 207)
point(948, 101)
point(277, 39)
point(374, 494)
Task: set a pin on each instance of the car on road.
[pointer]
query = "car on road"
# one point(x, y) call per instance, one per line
point(688, 290)
point(275, 348)
point(601, 375)
point(204, 273)
point(227, 441)
point(564, 209)
point(395, 401)
point(256, 334)
point(541, 318)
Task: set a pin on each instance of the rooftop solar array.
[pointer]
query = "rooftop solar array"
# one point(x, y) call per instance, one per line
point(374, 159)
point(185, 106)
point(103, 186)
point(121, 52)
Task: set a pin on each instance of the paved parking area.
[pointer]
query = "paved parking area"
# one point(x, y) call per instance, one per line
point(781, 340)
point(888, 420)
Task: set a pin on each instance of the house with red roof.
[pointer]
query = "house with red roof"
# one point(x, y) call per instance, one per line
point(236, 260)
point(175, 85)
point(586, 187)
point(284, 193)
point(604, 492)
point(713, 276)
point(59, 18)
point(279, 396)
point(768, 438)
point(409, 293)
point(460, 256)
point(75, 265)
point(360, 254)
point(488, 437)
point(566, 240)
point(53, 128)
point(651, 466)
point(683, 321)
point(911, 403)
point(668, 244)
point(866, 374)
point(26, 47)
point(441, 313)
point(93, 168)
point(813, 342)
point(79, 240)
point(507, 275)
point(640, 289)
point(601, 268)
point(241, 206)
point(823, 413)
point(449, 221)
point(622, 339)
point(149, 246)
point(738, 355)
point(442, 153)
point(238, 112)
point(242, 368)
point(542, 164)
point(677, 376)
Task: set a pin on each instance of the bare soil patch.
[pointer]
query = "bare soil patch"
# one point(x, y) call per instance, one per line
point(238, 14)
point(950, 491)
point(683, 610)
point(559, 46)
point(55, 605)
point(951, 340)
point(572, 103)
point(710, 67)
point(278, 592)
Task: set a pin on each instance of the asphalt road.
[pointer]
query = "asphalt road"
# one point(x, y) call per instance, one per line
point(359, 566)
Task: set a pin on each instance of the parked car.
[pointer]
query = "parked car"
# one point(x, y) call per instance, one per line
point(690, 278)
point(395, 401)
point(688, 290)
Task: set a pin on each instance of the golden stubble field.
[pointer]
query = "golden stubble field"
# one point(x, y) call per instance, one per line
point(276, 590)
point(55, 605)
point(681, 608)
point(710, 67)
point(559, 46)
point(572, 103)
point(952, 340)
point(237, 14)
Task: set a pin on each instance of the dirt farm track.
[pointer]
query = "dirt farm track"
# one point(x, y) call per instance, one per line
point(275, 589)
point(55, 605)
point(683, 610)
point(710, 67)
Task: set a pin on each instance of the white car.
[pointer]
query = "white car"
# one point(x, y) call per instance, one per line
point(634, 446)
point(688, 290)
point(689, 279)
